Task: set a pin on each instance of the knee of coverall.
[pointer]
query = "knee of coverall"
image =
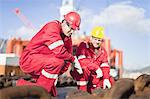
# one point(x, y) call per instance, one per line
point(85, 62)
point(84, 65)
point(54, 65)
point(25, 65)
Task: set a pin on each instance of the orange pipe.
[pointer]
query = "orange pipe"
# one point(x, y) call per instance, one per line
point(19, 48)
point(9, 46)
point(107, 47)
point(113, 57)
point(120, 63)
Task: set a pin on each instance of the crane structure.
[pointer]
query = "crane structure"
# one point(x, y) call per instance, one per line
point(23, 18)
point(67, 6)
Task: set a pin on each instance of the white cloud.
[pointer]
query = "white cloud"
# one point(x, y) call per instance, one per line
point(121, 15)
point(86, 18)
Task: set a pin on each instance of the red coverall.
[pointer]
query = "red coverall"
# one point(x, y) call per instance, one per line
point(47, 55)
point(90, 62)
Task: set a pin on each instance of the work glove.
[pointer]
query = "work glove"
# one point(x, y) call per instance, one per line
point(106, 83)
point(77, 65)
point(99, 73)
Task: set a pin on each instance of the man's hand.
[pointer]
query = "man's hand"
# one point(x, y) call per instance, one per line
point(77, 65)
point(99, 73)
point(106, 83)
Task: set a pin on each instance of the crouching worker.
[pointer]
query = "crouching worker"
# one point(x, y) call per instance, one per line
point(92, 57)
point(49, 53)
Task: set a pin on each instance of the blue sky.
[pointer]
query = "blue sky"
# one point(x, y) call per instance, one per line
point(126, 23)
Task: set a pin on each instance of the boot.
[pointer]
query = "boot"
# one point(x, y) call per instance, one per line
point(42, 81)
point(47, 84)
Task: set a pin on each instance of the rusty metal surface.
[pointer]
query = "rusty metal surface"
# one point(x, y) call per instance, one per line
point(63, 91)
point(20, 92)
point(123, 88)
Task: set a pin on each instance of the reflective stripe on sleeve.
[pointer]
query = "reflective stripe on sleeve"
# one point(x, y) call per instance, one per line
point(81, 56)
point(104, 65)
point(82, 83)
point(48, 75)
point(55, 44)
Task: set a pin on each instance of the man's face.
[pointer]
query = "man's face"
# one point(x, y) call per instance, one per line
point(67, 30)
point(96, 42)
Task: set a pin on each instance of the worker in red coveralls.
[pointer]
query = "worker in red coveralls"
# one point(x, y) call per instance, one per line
point(93, 61)
point(49, 53)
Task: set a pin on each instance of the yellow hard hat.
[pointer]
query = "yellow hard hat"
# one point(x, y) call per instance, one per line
point(98, 32)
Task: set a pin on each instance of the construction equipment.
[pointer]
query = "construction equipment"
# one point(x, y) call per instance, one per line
point(116, 62)
point(115, 58)
point(23, 18)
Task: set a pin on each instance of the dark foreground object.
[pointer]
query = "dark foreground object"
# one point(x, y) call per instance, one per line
point(124, 88)
point(23, 92)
